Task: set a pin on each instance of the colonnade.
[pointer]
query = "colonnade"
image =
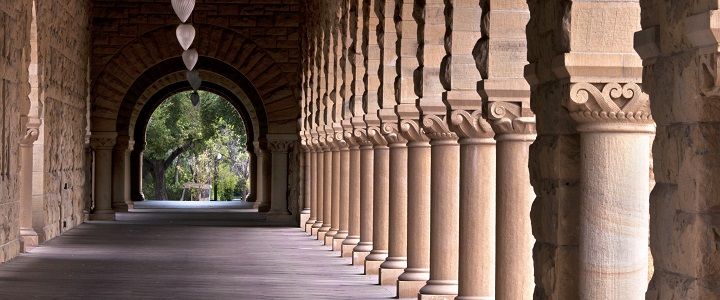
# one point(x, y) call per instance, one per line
point(479, 150)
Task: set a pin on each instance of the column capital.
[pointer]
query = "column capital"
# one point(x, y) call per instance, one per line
point(376, 137)
point(362, 138)
point(350, 139)
point(392, 134)
point(470, 125)
point(280, 146)
point(412, 131)
point(103, 140)
point(32, 132)
point(610, 107)
point(123, 143)
point(508, 118)
point(436, 128)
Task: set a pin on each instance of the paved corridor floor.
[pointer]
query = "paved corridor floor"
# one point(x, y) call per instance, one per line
point(185, 250)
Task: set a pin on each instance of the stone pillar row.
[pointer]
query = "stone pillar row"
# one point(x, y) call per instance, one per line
point(421, 142)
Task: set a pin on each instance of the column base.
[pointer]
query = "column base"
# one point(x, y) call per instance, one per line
point(28, 240)
point(328, 241)
point(308, 226)
point(322, 232)
point(304, 217)
point(263, 207)
point(102, 215)
point(360, 252)
point(347, 247)
point(314, 231)
point(409, 289)
point(120, 207)
point(439, 289)
point(130, 205)
point(337, 243)
point(389, 276)
point(284, 219)
point(372, 267)
point(250, 198)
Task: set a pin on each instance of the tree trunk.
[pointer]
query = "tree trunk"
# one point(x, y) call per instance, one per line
point(158, 168)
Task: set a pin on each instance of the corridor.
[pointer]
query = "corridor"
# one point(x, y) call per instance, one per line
point(185, 250)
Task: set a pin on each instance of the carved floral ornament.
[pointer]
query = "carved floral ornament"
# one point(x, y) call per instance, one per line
point(437, 129)
point(614, 103)
point(412, 131)
point(507, 118)
point(392, 133)
point(280, 146)
point(471, 124)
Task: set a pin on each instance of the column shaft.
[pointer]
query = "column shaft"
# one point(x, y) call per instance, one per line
point(418, 221)
point(320, 194)
point(444, 221)
point(615, 213)
point(366, 206)
point(312, 164)
point(28, 236)
point(353, 203)
point(103, 186)
point(477, 219)
point(342, 233)
point(381, 208)
point(327, 196)
point(335, 194)
point(396, 261)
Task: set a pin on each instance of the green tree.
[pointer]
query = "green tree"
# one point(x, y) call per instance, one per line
point(183, 143)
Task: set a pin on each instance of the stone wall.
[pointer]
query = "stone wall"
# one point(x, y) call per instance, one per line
point(14, 88)
point(63, 53)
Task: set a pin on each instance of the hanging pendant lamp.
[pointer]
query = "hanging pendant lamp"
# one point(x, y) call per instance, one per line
point(195, 98)
point(183, 8)
point(186, 35)
point(190, 58)
point(193, 77)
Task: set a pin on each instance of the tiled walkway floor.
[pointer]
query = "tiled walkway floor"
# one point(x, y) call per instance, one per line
point(172, 250)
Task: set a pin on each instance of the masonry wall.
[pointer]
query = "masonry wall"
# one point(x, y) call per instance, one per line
point(64, 53)
point(14, 61)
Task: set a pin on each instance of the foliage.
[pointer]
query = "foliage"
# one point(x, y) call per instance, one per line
point(184, 144)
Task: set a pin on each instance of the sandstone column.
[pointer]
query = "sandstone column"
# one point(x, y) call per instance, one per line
point(381, 191)
point(587, 82)
point(344, 201)
point(477, 202)
point(102, 143)
point(506, 98)
point(418, 211)
point(327, 188)
point(306, 184)
point(264, 173)
point(334, 193)
point(396, 262)
point(319, 187)
point(353, 182)
point(28, 236)
point(417, 272)
point(279, 146)
point(123, 144)
point(682, 84)
point(312, 187)
point(366, 199)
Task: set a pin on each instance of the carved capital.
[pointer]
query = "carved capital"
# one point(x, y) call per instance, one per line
point(102, 143)
point(437, 128)
point(362, 138)
point(376, 137)
point(350, 139)
point(340, 142)
point(304, 145)
point(123, 143)
point(507, 118)
point(412, 131)
point(280, 146)
point(609, 103)
point(31, 135)
point(392, 134)
point(470, 124)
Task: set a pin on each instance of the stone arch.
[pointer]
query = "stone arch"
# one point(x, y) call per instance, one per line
point(156, 53)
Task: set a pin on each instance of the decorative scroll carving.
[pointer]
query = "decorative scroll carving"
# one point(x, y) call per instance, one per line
point(280, 146)
point(362, 138)
point(506, 118)
point(470, 124)
point(340, 140)
point(102, 143)
point(392, 134)
point(412, 131)
point(351, 140)
point(437, 128)
point(31, 135)
point(376, 137)
point(615, 103)
point(304, 144)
